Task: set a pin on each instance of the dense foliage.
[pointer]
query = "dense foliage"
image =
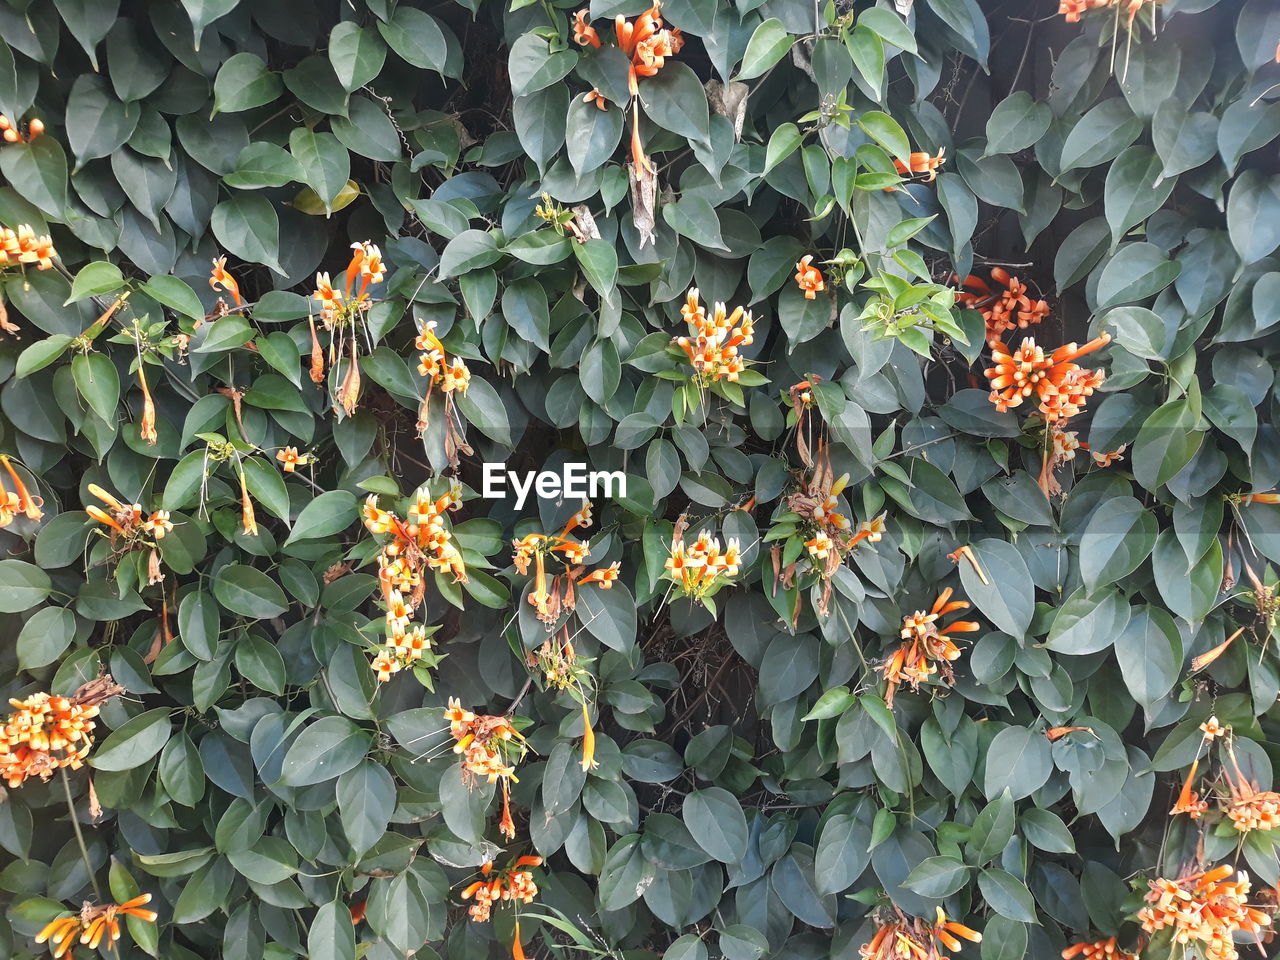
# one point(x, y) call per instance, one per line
point(936, 342)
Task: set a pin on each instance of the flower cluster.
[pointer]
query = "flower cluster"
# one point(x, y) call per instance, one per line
point(92, 924)
point(921, 165)
point(1243, 804)
point(18, 500)
point(700, 568)
point(1072, 10)
point(713, 348)
point(900, 937)
point(45, 733)
point(1060, 384)
point(340, 313)
point(557, 596)
point(416, 544)
point(490, 747)
point(926, 646)
point(23, 247)
point(1008, 309)
point(129, 527)
point(1204, 908)
point(514, 884)
point(13, 134)
point(1106, 949)
point(809, 278)
point(452, 377)
point(646, 43)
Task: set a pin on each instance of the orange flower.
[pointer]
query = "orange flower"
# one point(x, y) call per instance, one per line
point(583, 33)
point(317, 354)
point(1203, 908)
point(713, 349)
point(349, 390)
point(221, 280)
point(1056, 380)
point(147, 428)
point(1202, 661)
point(22, 501)
point(1057, 733)
point(1097, 950)
point(23, 247)
point(290, 459)
point(1011, 309)
point(45, 733)
point(604, 576)
point(927, 649)
point(1211, 728)
point(1073, 9)
point(809, 278)
point(922, 163)
point(248, 521)
point(12, 134)
point(1189, 801)
point(900, 937)
point(595, 96)
point(1271, 497)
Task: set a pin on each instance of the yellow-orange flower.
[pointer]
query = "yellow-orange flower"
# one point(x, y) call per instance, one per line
point(45, 733)
point(23, 247)
point(1106, 949)
point(899, 937)
point(219, 279)
point(290, 459)
point(922, 163)
point(809, 278)
point(514, 885)
point(18, 500)
point(1057, 381)
point(713, 348)
point(926, 648)
point(1204, 908)
point(1009, 309)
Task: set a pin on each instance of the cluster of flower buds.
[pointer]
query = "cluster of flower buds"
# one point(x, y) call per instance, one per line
point(23, 248)
point(450, 376)
point(1060, 384)
point(1204, 908)
point(45, 733)
point(490, 748)
point(1009, 308)
point(129, 527)
point(18, 501)
point(1073, 10)
point(93, 924)
point(1244, 806)
point(713, 348)
point(926, 647)
point(555, 596)
point(416, 544)
point(900, 937)
point(921, 166)
point(12, 132)
point(1107, 949)
point(514, 885)
point(700, 568)
point(340, 312)
point(646, 43)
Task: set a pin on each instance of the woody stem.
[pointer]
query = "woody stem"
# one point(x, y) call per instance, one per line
point(75, 825)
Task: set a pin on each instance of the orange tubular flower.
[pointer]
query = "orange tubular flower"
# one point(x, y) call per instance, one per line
point(1072, 10)
point(23, 247)
point(1204, 908)
point(248, 521)
point(1056, 380)
point(23, 502)
point(926, 648)
point(588, 741)
point(809, 278)
point(1097, 950)
point(221, 280)
point(922, 163)
point(147, 427)
point(595, 96)
point(713, 348)
point(1189, 801)
point(45, 733)
point(1011, 309)
point(583, 33)
point(899, 937)
point(290, 459)
point(1270, 497)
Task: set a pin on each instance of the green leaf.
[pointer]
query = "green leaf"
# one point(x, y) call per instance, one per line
point(176, 295)
point(1119, 536)
point(366, 800)
point(1166, 443)
point(331, 935)
point(247, 226)
point(94, 279)
point(592, 135)
point(675, 101)
point(1253, 206)
point(1018, 760)
point(1017, 122)
point(769, 43)
point(40, 354)
point(263, 164)
point(98, 382)
point(417, 38)
point(323, 751)
point(532, 66)
point(937, 877)
point(97, 123)
point(469, 250)
point(694, 217)
point(992, 830)
point(328, 514)
point(324, 162)
point(887, 132)
point(45, 637)
point(357, 54)
point(244, 82)
point(1100, 135)
point(134, 742)
point(1149, 653)
point(1007, 895)
point(248, 592)
point(714, 817)
point(1134, 189)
